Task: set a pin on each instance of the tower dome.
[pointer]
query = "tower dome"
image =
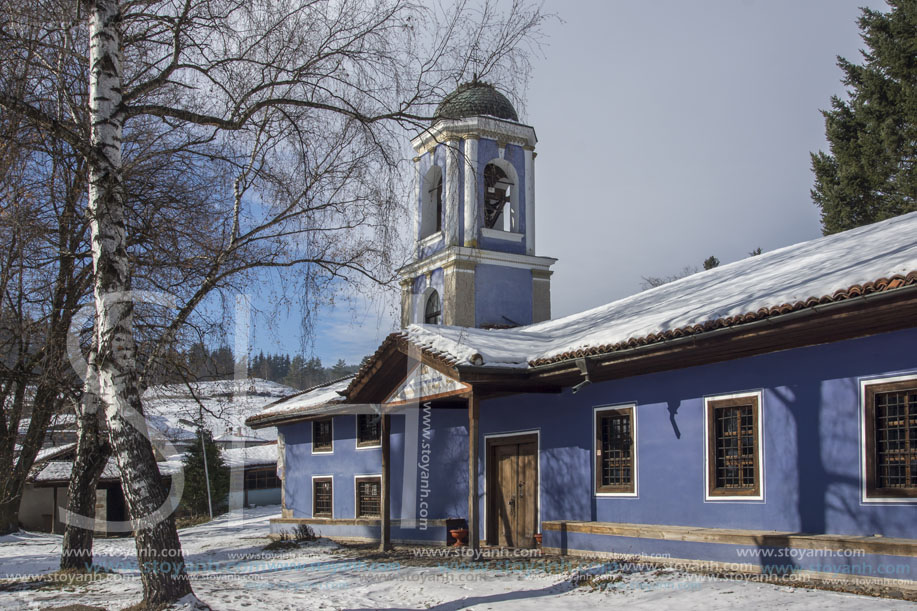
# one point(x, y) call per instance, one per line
point(475, 98)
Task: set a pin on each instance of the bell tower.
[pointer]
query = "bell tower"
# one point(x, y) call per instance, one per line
point(474, 259)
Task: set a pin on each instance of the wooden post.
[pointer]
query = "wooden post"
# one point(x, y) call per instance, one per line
point(473, 518)
point(55, 514)
point(385, 535)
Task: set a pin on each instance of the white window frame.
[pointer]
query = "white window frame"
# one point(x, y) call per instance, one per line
point(356, 433)
point(861, 415)
point(760, 497)
point(356, 495)
point(312, 437)
point(595, 451)
point(312, 497)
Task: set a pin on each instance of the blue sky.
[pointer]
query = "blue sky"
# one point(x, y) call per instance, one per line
point(668, 131)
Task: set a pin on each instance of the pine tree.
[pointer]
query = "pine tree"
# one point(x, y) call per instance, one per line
point(194, 496)
point(870, 173)
point(340, 369)
point(296, 375)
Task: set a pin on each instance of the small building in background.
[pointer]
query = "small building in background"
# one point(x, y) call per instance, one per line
point(172, 411)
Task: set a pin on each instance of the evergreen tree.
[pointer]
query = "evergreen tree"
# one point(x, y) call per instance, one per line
point(340, 369)
point(711, 262)
point(194, 496)
point(296, 376)
point(870, 173)
point(315, 373)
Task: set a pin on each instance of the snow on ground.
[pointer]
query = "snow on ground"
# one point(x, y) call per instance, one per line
point(230, 571)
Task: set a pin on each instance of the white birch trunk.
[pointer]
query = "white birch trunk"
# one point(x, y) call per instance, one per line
point(158, 549)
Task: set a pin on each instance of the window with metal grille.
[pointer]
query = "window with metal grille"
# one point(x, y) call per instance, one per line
point(261, 479)
point(891, 439)
point(369, 430)
point(322, 440)
point(614, 444)
point(369, 497)
point(322, 498)
point(732, 438)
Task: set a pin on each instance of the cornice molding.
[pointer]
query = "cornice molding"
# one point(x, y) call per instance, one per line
point(460, 255)
point(505, 132)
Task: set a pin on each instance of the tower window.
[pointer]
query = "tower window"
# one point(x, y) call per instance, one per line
point(433, 311)
point(431, 213)
point(497, 193)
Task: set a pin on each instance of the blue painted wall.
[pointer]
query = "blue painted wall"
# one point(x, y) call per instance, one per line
point(811, 420)
point(810, 406)
point(441, 452)
point(502, 291)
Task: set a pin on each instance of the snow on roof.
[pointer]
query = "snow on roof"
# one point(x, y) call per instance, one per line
point(58, 421)
point(252, 456)
point(46, 453)
point(220, 388)
point(59, 470)
point(790, 275)
point(224, 404)
point(233, 438)
point(317, 396)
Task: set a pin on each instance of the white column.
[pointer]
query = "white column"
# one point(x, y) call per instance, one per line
point(529, 201)
point(415, 207)
point(451, 223)
point(471, 192)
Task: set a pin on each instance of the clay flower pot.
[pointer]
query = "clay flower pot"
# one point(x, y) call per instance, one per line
point(459, 534)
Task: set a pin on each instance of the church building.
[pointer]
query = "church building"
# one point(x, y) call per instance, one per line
point(760, 416)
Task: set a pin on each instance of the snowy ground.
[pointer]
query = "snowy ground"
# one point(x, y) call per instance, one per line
point(230, 571)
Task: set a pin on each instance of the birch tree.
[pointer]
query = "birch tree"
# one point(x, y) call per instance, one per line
point(308, 102)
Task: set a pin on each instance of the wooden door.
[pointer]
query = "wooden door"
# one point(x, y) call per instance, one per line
point(513, 491)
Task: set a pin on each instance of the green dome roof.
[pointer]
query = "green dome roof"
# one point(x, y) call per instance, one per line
point(474, 99)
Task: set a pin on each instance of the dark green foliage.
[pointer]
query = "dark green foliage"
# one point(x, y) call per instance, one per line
point(202, 363)
point(711, 262)
point(341, 369)
point(870, 173)
point(299, 372)
point(194, 496)
point(755, 252)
